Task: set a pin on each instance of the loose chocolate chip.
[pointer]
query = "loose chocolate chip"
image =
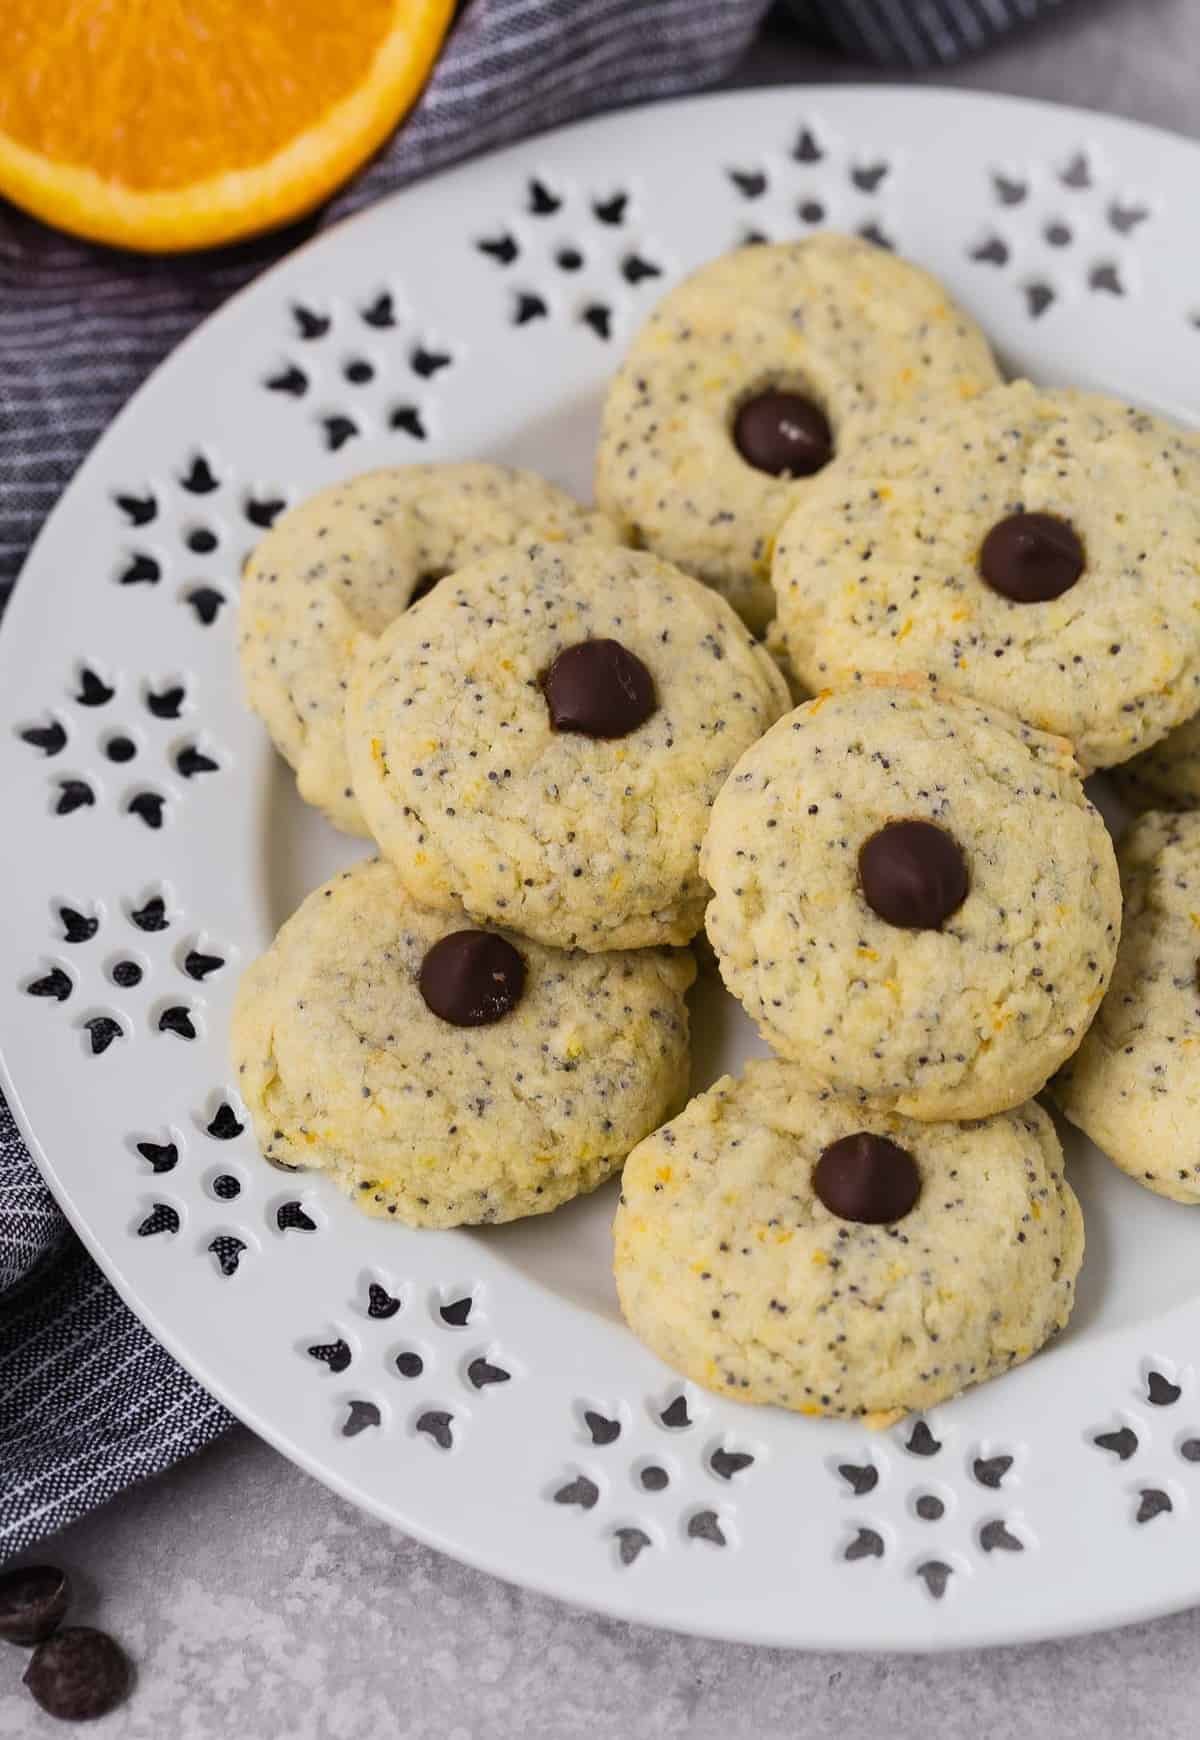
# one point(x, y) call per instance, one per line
point(783, 433)
point(913, 875)
point(33, 1602)
point(1031, 558)
point(78, 1674)
point(600, 689)
point(867, 1178)
point(472, 978)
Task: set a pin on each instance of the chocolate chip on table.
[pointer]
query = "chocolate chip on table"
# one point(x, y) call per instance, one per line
point(783, 433)
point(472, 978)
point(913, 875)
point(33, 1602)
point(78, 1674)
point(600, 689)
point(1031, 558)
point(867, 1178)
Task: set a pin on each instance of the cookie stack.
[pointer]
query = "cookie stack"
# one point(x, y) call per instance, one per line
point(532, 722)
point(571, 753)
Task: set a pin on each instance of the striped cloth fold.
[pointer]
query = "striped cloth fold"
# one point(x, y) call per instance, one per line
point(89, 1401)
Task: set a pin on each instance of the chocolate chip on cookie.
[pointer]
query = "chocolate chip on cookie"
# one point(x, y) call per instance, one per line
point(1031, 558)
point(913, 875)
point(867, 1178)
point(600, 689)
point(472, 979)
point(783, 433)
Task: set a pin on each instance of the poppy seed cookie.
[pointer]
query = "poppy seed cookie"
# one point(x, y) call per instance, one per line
point(764, 367)
point(1134, 1084)
point(541, 738)
point(913, 898)
point(776, 1243)
point(1035, 550)
point(337, 568)
point(451, 1076)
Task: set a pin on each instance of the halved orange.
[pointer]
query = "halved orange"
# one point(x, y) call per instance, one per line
point(170, 124)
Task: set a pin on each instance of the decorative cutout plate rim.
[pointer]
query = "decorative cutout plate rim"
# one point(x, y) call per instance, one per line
point(407, 1370)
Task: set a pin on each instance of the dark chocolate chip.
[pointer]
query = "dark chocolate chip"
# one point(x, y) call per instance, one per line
point(1031, 558)
point(654, 1478)
point(457, 1313)
point(675, 1415)
point(148, 806)
point(502, 249)
point(409, 1365)
point(472, 978)
point(309, 325)
point(263, 513)
point(33, 1603)
point(201, 541)
point(152, 916)
point(929, 1507)
point(913, 874)
point(127, 974)
point(599, 689)
point(783, 433)
point(867, 1178)
point(120, 749)
point(225, 1187)
point(860, 1478)
point(78, 1674)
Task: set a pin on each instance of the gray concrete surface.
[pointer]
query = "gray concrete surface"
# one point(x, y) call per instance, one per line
point(257, 1605)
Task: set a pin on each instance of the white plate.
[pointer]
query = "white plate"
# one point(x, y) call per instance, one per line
point(1042, 1529)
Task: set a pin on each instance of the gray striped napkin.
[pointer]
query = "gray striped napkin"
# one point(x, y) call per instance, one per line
point(89, 1401)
